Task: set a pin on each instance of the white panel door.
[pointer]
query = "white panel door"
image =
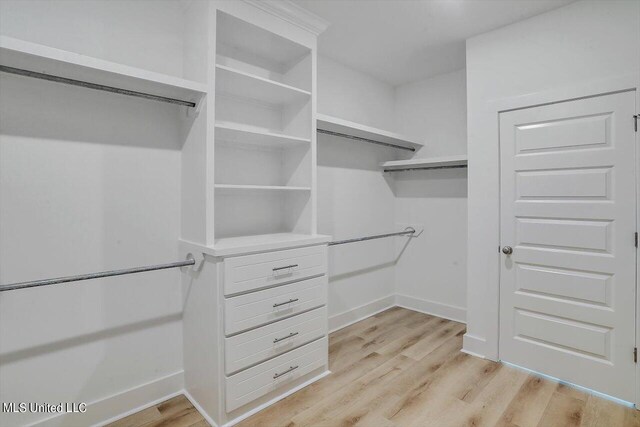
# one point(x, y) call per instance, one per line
point(568, 209)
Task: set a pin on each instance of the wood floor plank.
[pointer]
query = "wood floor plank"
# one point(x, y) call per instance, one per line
point(346, 397)
point(424, 347)
point(417, 334)
point(139, 418)
point(401, 368)
point(477, 379)
point(489, 406)
point(183, 418)
point(631, 417)
point(563, 410)
point(528, 405)
point(602, 413)
point(423, 383)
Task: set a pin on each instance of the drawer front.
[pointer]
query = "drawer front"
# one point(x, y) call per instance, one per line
point(251, 272)
point(268, 305)
point(268, 341)
point(255, 382)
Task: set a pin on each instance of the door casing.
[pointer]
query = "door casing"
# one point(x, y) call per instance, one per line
point(488, 345)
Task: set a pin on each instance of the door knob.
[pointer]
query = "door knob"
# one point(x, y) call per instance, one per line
point(507, 250)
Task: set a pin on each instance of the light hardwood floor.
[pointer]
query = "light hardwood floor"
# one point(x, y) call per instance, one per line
point(402, 368)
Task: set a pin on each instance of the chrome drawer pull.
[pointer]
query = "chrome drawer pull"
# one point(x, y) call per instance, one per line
point(286, 267)
point(285, 303)
point(293, 368)
point(292, 334)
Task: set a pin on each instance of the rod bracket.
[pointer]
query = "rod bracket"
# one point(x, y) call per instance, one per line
point(198, 260)
point(193, 112)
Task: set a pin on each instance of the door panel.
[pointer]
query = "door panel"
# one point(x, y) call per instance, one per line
point(568, 209)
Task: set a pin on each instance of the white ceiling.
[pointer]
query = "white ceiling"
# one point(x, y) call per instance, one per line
point(400, 41)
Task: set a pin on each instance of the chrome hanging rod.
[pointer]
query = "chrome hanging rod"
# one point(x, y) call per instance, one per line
point(425, 168)
point(95, 86)
point(408, 230)
point(358, 138)
point(23, 285)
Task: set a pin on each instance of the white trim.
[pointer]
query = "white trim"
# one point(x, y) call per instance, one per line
point(446, 311)
point(293, 13)
point(473, 345)
point(580, 90)
point(347, 318)
point(199, 408)
point(274, 400)
point(117, 406)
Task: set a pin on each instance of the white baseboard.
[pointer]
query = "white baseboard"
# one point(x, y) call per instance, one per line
point(473, 345)
point(451, 312)
point(357, 314)
point(199, 408)
point(120, 405)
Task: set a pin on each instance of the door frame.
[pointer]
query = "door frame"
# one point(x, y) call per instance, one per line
point(493, 109)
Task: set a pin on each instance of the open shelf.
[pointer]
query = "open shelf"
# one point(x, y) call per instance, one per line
point(428, 163)
point(38, 58)
point(334, 124)
point(244, 46)
point(247, 134)
point(264, 242)
point(229, 188)
point(242, 84)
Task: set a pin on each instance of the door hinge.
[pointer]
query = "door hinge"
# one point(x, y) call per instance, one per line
point(635, 122)
point(636, 239)
point(635, 354)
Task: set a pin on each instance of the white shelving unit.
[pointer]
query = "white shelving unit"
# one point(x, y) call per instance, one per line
point(426, 163)
point(346, 127)
point(263, 139)
point(38, 58)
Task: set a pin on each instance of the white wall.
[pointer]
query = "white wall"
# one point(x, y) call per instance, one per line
point(89, 181)
point(141, 33)
point(435, 110)
point(431, 273)
point(354, 198)
point(352, 95)
point(579, 43)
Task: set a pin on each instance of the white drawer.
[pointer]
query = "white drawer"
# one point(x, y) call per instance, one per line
point(268, 305)
point(268, 341)
point(250, 272)
point(255, 382)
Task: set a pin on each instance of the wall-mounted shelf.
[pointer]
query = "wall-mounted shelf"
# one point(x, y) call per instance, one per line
point(239, 83)
point(447, 162)
point(37, 58)
point(344, 128)
point(247, 134)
